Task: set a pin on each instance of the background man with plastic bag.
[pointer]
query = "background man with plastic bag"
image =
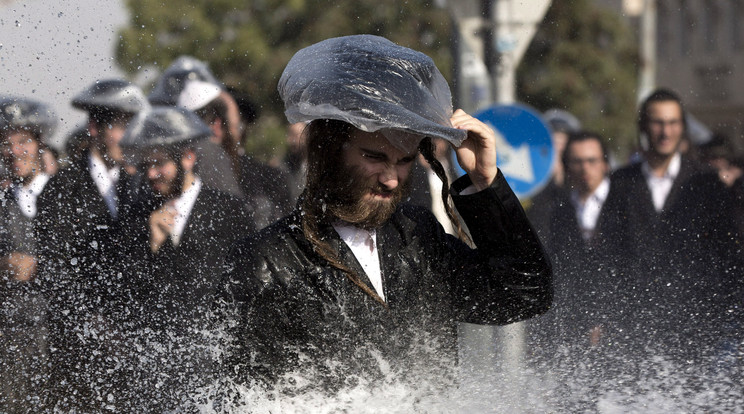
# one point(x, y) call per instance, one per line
point(353, 286)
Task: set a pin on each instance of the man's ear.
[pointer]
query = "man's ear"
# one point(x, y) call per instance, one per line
point(188, 159)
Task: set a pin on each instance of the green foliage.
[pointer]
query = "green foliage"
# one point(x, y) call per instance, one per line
point(584, 59)
point(248, 43)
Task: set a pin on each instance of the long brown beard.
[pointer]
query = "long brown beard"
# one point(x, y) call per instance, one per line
point(346, 199)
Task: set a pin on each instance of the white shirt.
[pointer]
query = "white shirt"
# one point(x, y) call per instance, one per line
point(363, 244)
point(587, 213)
point(183, 205)
point(28, 194)
point(437, 205)
point(660, 187)
point(106, 180)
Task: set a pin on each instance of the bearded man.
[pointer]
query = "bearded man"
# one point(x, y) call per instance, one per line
point(354, 285)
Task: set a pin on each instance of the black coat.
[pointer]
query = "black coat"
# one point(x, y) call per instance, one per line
point(675, 267)
point(584, 279)
point(16, 230)
point(178, 282)
point(82, 253)
point(291, 304)
point(695, 222)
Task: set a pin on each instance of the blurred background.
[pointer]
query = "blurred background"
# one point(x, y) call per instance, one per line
point(593, 58)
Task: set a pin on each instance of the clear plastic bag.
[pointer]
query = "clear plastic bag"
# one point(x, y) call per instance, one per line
point(23, 113)
point(373, 84)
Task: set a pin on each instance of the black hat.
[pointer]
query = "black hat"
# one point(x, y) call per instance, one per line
point(111, 95)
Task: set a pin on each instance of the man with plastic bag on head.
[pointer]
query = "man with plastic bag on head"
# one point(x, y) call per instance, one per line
point(354, 286)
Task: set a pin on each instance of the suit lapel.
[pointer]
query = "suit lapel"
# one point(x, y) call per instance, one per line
point(685, 171)
point(93, 198)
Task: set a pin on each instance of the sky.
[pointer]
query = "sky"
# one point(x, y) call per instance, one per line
point(50, 50)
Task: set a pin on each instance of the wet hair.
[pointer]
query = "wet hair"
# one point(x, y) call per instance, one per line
point(659, 95)
point(325, 145)
point(582, 136)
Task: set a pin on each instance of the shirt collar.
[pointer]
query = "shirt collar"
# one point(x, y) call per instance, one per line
point(186, 200)
point(352, 235)
point(671, 172)
point(600, 193)
point(100, 173)
point(36, 186)
point(27, 195)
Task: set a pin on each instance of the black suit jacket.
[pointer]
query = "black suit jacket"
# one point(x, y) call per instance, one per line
point(82, 270)
point(179, 280)
point(695, 223)
point(295, 311)
point(676, 270)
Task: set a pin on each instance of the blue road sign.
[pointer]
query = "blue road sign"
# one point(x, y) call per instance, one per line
point(523, 145)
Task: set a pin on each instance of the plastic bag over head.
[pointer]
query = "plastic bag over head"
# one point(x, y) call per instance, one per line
point(173, 80)
point(162, 126)
point(28, 114)
point(373, 84)
point(116, 95)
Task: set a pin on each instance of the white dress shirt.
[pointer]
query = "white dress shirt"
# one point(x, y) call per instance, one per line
point(183, 205)
point(106, 180)
point(28, 194)
point(363, 244)
point(587, 212)
point(660, 187)
point(437, 205)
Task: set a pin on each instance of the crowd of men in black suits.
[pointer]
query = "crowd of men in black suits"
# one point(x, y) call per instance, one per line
point(120, 236)
point(648, 257)
point(123, 236)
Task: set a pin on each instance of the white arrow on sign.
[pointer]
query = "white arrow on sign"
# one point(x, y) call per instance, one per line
point(516, 161)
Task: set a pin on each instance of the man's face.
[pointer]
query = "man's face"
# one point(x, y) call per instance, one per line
point(586, 166)
point(664, 127)
point(110, 135)
point(372, 180)
point(21, 154)
point(163, 173)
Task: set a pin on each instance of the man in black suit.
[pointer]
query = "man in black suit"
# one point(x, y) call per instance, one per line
point(81, 226)
point(262, 187)
point(670, 232)
point(191, 226)
point(355, 285)
point(575, 242)
point(180, 252)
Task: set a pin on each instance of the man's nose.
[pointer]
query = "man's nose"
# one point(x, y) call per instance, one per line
point(152, 173)
point(389, 177)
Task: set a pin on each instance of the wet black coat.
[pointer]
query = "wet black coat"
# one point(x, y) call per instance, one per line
point(178, 281)
point(677, 274)
point(294, 311)
point(82, 270)
point(584, 278)
point(16, 230)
